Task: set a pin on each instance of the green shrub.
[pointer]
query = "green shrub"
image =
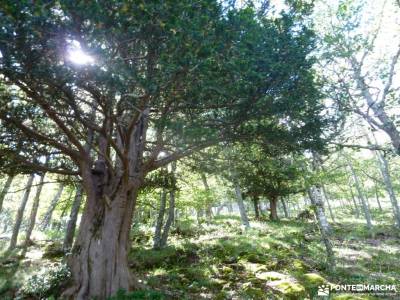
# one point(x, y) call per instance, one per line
point(45, 282)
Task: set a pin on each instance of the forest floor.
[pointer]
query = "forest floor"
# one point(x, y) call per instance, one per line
point(221, 260)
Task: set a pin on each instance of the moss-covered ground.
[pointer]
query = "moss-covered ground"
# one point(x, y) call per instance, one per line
point(221, 260)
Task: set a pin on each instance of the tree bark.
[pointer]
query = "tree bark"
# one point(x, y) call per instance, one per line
point(20, 213)
point(99, 258)
point(5, 189)
point(242, 209)
point(318, 206)
point(256, 207)
point(384, 167)
point(273, 202)
point(170, 219)
point(285, 209)
point(34, 210)
point(73, 217)
point(53, 204)
point(160, 220)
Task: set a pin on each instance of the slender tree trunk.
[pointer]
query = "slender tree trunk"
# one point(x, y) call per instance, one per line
point(285, 209)
point(364, 203)
point(328, 202)
point(59, 224)
point(176, 216)
point(170, 219)
point(20, 213)
point(34, 210)
point(384, 167)
point(230, 208)
point(73, 217)
point(256, 207)
point(160, 220)
point(199, 215)
point(242, 209)
point(377, 196)
point(53, 204)
point(208, 205)
point(354, 202)
point(273, 203)
point(318, 205)
point(5, 189)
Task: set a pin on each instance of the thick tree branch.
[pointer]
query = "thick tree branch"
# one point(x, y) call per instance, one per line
point(391, 75)
point(24, 162)
point(40, 136)
point(368, 147)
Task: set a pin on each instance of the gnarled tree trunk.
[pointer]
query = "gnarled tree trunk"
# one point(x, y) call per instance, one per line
point(20, 213)
point(99, 260)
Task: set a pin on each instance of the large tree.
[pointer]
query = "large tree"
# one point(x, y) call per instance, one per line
point(161, 80)
point(269, 174)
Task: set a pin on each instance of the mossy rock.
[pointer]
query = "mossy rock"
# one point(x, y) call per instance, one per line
point(288, 288)
point(270, 276)
point(227, 287)
point(253, 267)
point(215, 284)
point(311, 281)
point(53, 250)
point(237, 267)
point(230, 260)
point(226, 270)
point(222, 295)
point(299, 265)
point(253, 293)
point(254, 258)
point(255, 280)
